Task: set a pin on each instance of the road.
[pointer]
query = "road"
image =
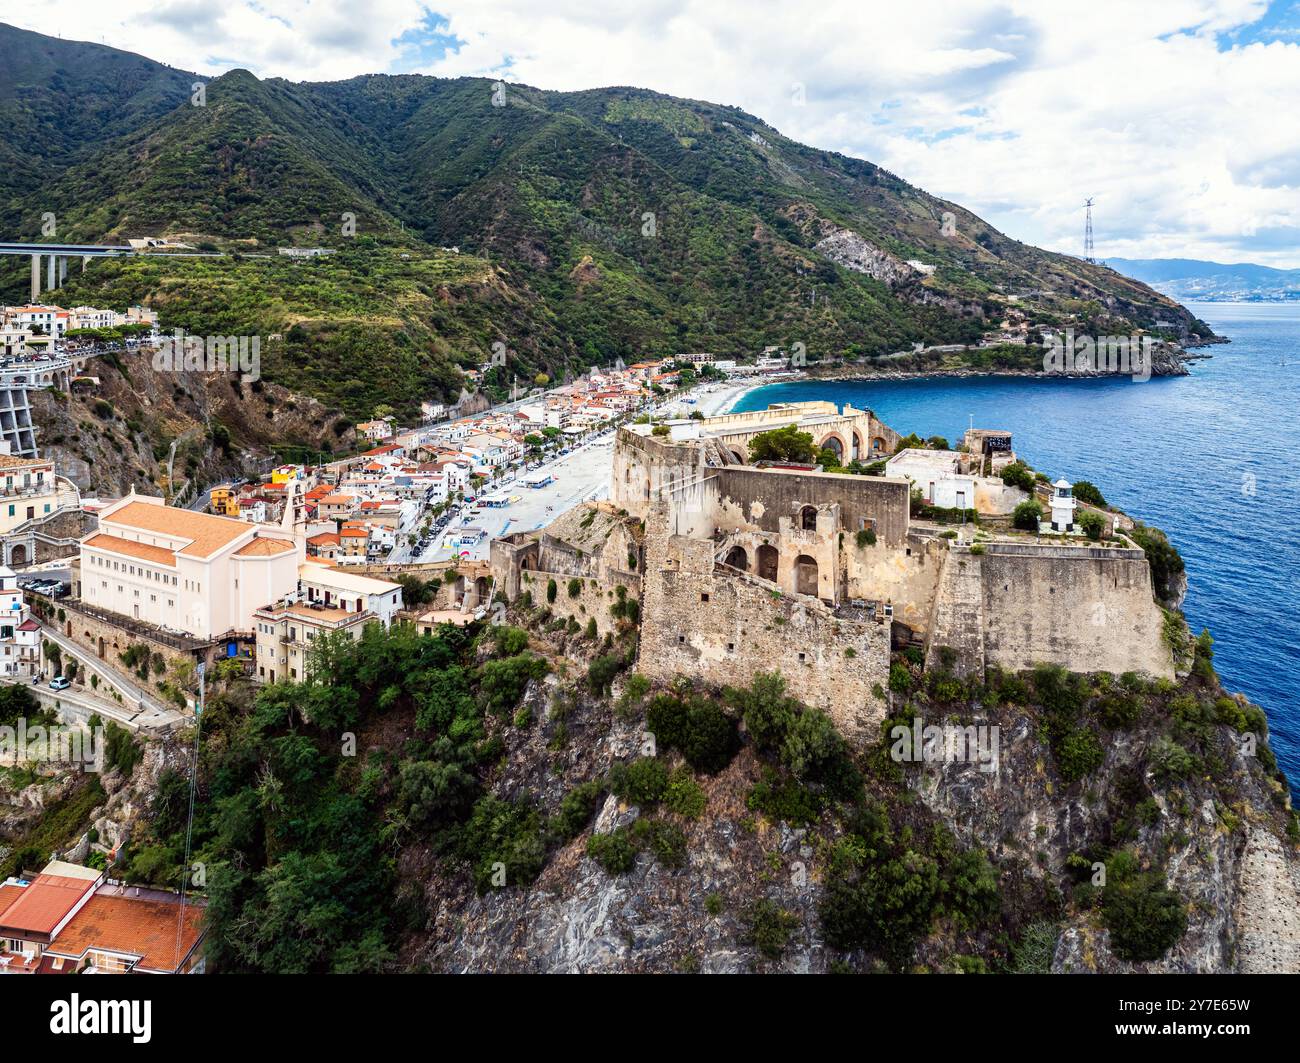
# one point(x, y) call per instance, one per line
point(581, 474)
point(81, 703)
point(151, 711)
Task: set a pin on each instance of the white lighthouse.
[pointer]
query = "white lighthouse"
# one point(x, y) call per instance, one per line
point(1062, 506)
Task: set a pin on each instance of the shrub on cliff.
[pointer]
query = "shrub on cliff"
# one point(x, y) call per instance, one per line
point(1165, 561)
point(1017, 474)
point(1144, 917)
point(696, 726)
point(1086, 491)
point(644, 781)
point(615, 851)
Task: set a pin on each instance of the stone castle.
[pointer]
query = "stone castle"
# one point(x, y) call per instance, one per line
point(741, 568)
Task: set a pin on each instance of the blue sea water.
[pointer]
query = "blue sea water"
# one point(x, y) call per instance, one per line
point(1209, 458)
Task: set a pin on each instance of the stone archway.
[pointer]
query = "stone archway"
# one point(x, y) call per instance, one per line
point(769, 562)
point(808, 518)
point(834, 444)
point(805, 575)
point(18, 555)
point(737, 558)
point(858, 449)
point(878, 445)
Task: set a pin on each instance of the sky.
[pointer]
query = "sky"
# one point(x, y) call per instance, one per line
point(1176, 116)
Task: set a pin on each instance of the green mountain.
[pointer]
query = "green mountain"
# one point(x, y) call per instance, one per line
point(571, 227)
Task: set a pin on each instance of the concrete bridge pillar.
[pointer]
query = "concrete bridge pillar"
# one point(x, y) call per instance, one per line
point(36, 277)
point(63, 270)
point(49, 274)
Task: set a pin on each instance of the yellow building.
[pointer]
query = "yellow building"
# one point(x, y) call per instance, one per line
point(224, 502)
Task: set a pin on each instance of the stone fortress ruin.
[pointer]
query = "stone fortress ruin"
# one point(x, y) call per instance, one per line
point(741, 568)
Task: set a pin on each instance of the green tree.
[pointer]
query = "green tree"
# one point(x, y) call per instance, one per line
point(1027, 515)
point(783, 444)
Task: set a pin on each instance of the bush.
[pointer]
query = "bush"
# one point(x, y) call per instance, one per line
point(1027, 515)
point(1033, 953)
point(575, 587)
point(866, 537)
point(642, 782)
point(666, 840)
point(551, 590)
point(697, 727)
point(1017, 474)
point(768, 928)
point(1092, 524)
point(1145, 919)
point(684, 795)
point(576, 810)
point(602, 670)
point(614, 851)
point(1086, 491)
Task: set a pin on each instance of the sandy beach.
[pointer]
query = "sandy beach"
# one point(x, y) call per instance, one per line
point(721, 397)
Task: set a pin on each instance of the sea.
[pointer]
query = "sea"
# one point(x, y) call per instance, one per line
point(1207, 457)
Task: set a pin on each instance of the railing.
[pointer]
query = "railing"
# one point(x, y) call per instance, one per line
point(184, 643)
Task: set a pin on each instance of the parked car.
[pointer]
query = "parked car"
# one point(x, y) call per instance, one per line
point(60, 682)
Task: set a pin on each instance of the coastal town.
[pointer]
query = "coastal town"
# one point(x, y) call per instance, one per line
point(117, 617)
point(502, 492)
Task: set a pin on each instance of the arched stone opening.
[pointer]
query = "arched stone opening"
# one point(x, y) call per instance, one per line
point(857, 445)
point(805, 575)
point(834, 444)
point(18, 555)
point(737, 558)
point(878, 445)
point(808, 518)
point(769, 560)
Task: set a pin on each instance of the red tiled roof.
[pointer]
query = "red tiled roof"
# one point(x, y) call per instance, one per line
point(135, 926)
point(45, 903)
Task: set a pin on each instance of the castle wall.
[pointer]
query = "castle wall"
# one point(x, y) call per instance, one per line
point(761, 497)
point(594, 598)
point(1087, 609)
point(706, 621)
point(907, 578)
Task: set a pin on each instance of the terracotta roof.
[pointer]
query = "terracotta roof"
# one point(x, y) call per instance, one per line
point(323, 539)
point(157, 554)
point(207, 534)
point(29, 625)
point(264, 546)
point(9, 894)
point(136, 926)
point(10, 461)
point(44, 904)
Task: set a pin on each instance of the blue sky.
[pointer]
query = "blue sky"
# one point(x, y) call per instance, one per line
point(1177, 116)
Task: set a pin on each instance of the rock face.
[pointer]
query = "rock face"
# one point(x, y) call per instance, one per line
point(1218, 841)
point(119, 433)
point(846, 248)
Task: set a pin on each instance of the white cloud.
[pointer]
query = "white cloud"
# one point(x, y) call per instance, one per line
point(1174, 114)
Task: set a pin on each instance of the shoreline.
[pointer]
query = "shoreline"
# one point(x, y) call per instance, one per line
point(715, 404)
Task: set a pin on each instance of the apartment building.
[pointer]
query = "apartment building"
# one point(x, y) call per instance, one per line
point(328, 600)
point(28, 489)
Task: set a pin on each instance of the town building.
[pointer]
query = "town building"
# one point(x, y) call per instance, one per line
point(194, 573)
point(68, 920)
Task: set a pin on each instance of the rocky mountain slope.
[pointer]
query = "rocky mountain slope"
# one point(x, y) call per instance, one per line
point(610, 223)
